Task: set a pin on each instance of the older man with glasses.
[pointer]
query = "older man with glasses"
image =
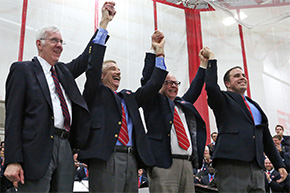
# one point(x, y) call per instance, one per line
point(176, 131)
point(46, 115)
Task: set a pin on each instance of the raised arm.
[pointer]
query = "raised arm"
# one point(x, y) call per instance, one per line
point(95, 61)
point(196, 85)
point(150, 57)
point(155, 73)
point(79, 65)
point(215, 96)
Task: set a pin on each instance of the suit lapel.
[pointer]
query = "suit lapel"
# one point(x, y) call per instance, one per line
point(130, 101)
point(118, 100)
point(63, 81)
point(42, 81)
point(264, 117)
point(188, 108)
point(172, 105)
point(239, 99)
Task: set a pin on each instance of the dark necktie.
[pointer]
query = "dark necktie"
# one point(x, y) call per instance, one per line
point(180, 131)
point(248, 107)
point(63, 104)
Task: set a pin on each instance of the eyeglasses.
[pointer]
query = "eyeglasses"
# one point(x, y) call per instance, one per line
point(54, 41)
point(170, 82)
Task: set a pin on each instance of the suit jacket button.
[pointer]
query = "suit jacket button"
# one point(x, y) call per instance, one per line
point(119, 123)
point(170, 122)
point(254, 137)
point(116, 135)
point(168, 135)
point(51, 136)
point(52, 117)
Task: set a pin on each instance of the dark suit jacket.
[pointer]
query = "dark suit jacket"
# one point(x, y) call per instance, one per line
point(144, 182)
point(276, 187)
point(211, 149)
point(29, 126)
point(159, 113)
point(205, 180)
point(106, 113)
point(287, 161)
point(239, 138)
point(286, 140)
point(80, 174)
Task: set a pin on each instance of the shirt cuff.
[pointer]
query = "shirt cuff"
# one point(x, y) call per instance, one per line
point(159, 63)
point(101, 36)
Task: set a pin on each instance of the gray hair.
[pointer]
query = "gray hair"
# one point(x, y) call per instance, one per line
point(105, 63)
point(42, 32)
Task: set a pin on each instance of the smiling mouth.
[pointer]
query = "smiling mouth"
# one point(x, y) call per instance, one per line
point(172, 91)
point(57, 51)
point(116, 78)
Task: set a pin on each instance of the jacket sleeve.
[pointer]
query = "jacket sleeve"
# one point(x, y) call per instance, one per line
point(215, 96)
point(148, 91)
point(14, 104)
point(149, 64)
point(79, 65)
point(94, 73)
point(196, 86)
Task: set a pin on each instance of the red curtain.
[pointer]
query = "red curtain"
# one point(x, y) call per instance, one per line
point(194, 45)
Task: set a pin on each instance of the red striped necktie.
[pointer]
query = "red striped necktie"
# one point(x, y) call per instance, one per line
point(63, 104)
point(123, 135)
point(183, 141)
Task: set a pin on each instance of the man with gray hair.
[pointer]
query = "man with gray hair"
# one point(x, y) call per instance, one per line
point(46, 115)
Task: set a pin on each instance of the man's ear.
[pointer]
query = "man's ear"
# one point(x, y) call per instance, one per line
point(227, 83)
point(39, 44)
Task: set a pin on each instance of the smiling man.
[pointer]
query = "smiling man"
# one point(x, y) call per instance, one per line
point(243, 130)
point(117, 145)
point(46, 116)
point(176, 131)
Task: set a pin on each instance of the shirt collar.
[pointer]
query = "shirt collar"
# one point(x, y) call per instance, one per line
point(44, 64)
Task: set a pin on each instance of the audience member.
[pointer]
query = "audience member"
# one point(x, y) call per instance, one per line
point(285, 139)
point(46, 116)
point(117, 137)
point(243, 133)
point(271, 178)
point(209, 178)
point(211, 146)
point(81, 169)
point(277, 139)
point(176, 131)
point(142, 179)
point(207, 161)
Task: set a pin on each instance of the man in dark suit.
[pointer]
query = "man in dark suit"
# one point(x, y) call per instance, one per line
point(271, 178)
point(46, 116)
point(279, 129)
point(243, 133)
point(209, 178)
point(175, 155)
point(142, 179)
point(117, 144)
point(213, 136)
